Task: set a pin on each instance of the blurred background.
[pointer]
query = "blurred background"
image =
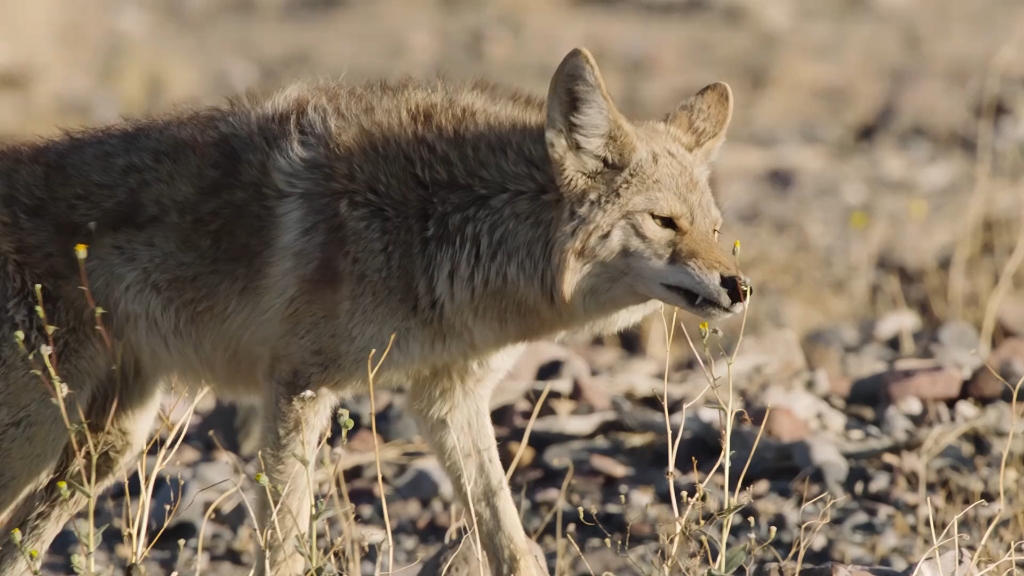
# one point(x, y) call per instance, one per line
point(873, 174)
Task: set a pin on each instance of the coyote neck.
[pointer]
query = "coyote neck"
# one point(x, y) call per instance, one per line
point(503, 253)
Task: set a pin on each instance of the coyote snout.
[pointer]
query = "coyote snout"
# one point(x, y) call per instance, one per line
point(708, 300)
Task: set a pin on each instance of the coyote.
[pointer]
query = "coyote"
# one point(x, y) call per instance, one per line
point(267, 245)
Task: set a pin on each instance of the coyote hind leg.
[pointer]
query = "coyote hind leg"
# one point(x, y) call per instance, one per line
point(118, 418)
point(32, 436)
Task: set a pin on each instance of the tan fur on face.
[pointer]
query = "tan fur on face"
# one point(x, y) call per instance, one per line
point(267, 245)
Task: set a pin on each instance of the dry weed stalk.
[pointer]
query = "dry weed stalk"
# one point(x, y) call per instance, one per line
point(371, 371)
point(969, 236)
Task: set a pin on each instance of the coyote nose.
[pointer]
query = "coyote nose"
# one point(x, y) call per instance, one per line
point(737, 288)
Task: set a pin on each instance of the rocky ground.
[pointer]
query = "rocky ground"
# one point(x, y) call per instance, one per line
point(851, 452)
point(873, 174)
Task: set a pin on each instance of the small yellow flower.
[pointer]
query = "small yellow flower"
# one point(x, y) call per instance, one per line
point(16, 536)
point(736, 248)
point(703, 330)
point(82, 251)
point(859, 220)
point(918, 209)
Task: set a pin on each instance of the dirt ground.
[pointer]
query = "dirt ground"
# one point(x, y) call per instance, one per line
point(873, 174)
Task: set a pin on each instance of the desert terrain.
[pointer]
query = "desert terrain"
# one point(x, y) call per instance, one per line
point(873, 174)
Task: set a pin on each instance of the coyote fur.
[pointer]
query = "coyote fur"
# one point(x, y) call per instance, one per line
point(266, 246)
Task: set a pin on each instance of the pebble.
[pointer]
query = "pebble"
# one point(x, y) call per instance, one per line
point(458, 558)
point(783, 424)
point(1007, 360)
point(822, 453)
point(966, 410)
point(425, 480)
point(609, 466)
point(825, 350)
point(941, 383)
point(396, 423)
point(957, 345)
point(896, 424)
point(880, 482)
point(620, 451)
point(896, 322)
point(776, 355)
point(1011, 315)
point(910, 405)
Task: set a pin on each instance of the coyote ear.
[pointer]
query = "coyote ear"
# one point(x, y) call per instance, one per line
point(585, 132)
point(703, 119)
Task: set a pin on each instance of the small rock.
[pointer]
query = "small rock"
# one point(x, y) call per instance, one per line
point(966, 410)
point(819, 541)
point(896, 322)
point(947, 564)
point(1008, 361)
point(821, 382)
point(776, 355)
point(952, 457)
point(899, 563)
point(783, 424)
point(562, 406)
point(212, 473)
point(424, 480)
point(1000, 416)
point(896, 424)
point(821, 452)
point(396, 423)
point(609, 466)
point(558, 388)
point(881, 482)
point(362, 440)
point(573, 424)
point(407, 510)
point(577, 452)
point(825, 350)
point(642, 497)
point(549, 361)
point(587, 391)
point(827, 569)
point(457, 558)
point(957, 346)
point(1011, 315)
point(809, 408)
point(186, 455)
point(510, 448)
point(869, 355)
point(910, 405)
point(927, 384)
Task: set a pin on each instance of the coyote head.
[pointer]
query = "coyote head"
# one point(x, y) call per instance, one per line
point(645, 225)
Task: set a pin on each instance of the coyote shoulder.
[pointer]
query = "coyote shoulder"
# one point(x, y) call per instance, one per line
point(266, 246)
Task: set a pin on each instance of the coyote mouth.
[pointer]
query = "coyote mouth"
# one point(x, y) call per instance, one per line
point(696, 301)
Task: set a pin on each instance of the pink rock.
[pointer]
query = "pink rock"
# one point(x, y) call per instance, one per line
point(934, 383)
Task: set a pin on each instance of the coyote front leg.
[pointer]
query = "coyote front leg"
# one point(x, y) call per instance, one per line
point(452, 409)
point(294, 420)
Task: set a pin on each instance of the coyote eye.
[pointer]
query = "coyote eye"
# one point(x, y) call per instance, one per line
point(665, 222)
